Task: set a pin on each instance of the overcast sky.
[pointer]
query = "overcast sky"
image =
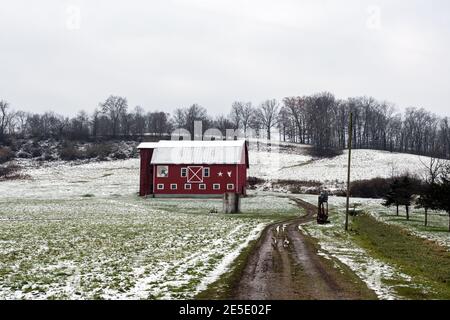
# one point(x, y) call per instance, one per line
point(70, 55)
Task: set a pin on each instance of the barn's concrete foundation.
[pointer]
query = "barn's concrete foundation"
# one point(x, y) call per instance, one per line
point(231, 203)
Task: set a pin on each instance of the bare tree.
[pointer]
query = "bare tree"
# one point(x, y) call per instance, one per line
point(236, 114)
point(139, 121)
point(80, 126)
point(95, 122)
point(114, 107)
point(295, 106)
point(159, 123)
point(4, 118)
point(240, 115)
point(12, 123)
point(58, 125)
point(247, 111)
point(267, 114)
point(179, 118)
point(223, 124)
point(185, 118)
point(283, 122)
point(196, 113)
point(127, 122)
point(21, 122)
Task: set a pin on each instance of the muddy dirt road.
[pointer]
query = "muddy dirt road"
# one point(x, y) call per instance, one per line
point(285, 266)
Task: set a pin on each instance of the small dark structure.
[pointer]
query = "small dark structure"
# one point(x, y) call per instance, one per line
point(322, 214)
point(231, 203)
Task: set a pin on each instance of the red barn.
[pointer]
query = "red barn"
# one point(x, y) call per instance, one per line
point(193, 168)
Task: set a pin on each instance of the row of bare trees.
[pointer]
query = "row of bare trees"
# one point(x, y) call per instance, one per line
point(112, 118)
point(320, 120)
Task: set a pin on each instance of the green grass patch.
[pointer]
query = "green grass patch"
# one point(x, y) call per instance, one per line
point(425, 261)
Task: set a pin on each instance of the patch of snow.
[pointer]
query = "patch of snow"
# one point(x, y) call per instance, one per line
point(229, 258)
point(366, 164)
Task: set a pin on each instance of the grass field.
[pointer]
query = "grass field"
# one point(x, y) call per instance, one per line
point(426, 262)
point(81, 232)
point(393, 261)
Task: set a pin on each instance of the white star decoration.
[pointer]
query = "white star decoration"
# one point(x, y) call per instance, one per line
point(229, 173)
point(220, 174)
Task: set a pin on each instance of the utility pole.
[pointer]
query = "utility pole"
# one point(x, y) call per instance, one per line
point(350, 140)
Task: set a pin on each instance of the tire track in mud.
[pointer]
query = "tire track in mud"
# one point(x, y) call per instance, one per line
point(285, 266)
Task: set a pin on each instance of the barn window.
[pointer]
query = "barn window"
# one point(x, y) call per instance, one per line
point(160, 186)
point(216, 186)
point(184, 172)
point(202, 186)
point(173, 186)
point(188, 186)
point(206, 172)
point(230, 186)
point(162, 171)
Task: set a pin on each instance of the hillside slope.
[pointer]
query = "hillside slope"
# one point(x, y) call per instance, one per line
point(366, 164)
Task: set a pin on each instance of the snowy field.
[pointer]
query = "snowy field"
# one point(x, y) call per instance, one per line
point(80, 232)
point(366, 164)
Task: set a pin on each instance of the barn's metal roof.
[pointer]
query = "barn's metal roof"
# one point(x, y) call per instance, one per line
point(148, 145)
point(197, 152)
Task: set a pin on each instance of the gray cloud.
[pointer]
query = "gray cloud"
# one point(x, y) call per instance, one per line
point(167, 54)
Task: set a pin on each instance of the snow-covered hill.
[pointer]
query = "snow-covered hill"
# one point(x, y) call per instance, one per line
point(366, 164)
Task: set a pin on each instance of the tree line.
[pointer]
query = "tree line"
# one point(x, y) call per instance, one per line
point(320, 120)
